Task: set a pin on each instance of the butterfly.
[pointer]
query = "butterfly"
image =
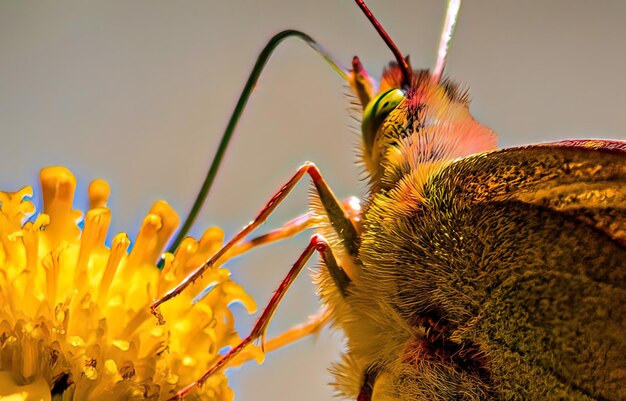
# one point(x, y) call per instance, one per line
point(470, 273)
point(474, 86)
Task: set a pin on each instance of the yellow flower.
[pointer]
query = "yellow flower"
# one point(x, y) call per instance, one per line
point(74, 314)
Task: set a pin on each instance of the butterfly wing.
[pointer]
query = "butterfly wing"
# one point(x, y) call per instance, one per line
point(515, 262)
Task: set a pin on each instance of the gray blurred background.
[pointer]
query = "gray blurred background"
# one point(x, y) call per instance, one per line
point(139, 92)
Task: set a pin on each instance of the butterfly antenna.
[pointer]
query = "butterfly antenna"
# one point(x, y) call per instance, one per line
point(452, 16)
point(404, 65)
point(248, 88)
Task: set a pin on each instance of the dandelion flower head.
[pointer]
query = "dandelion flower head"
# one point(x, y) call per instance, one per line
point(74, 313)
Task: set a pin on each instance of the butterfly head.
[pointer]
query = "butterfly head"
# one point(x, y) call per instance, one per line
point(414, 121)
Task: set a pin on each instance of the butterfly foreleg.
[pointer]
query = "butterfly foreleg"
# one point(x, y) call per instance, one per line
point(317, 243)
point(292, 228)
point(337, 214)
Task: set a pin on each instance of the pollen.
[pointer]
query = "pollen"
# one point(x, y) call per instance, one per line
point(74, 313)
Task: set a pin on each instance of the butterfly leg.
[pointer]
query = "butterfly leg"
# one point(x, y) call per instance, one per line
point(292, 228)
point(317, 243)
point(288, 230)
point(337, 215)
point(312, 326)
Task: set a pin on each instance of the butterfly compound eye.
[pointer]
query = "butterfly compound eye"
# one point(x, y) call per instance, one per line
point(376, 112)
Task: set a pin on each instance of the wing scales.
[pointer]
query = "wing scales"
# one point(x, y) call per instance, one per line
point(563, 310)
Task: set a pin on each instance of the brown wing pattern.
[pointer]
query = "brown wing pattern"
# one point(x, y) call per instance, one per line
point(556, 323)
point(520, 255)
point(584, 179)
